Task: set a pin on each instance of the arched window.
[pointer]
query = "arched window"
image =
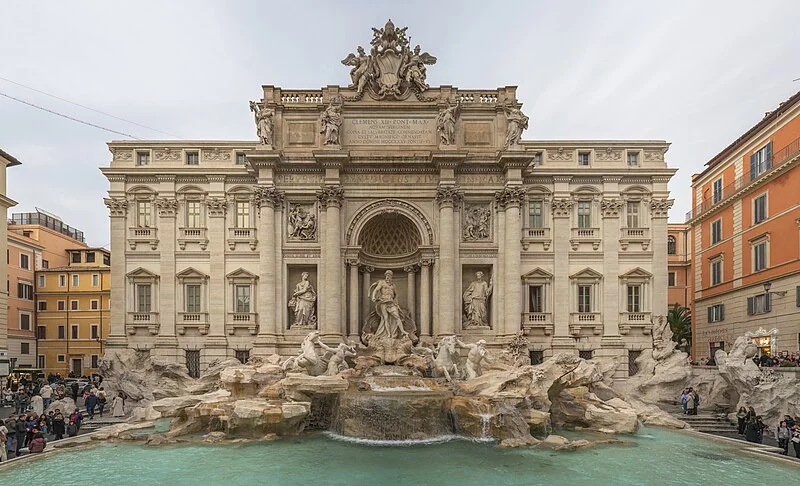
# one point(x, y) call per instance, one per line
point(672, 247)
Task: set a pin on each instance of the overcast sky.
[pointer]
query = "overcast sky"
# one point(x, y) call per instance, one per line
point(694, 73)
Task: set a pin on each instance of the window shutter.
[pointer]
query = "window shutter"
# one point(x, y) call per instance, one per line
point(710, 314)
point(797, 291)
point(768, 302)
point(722, 312)
point(769, 155)
point(749, 306)
point(752, 167)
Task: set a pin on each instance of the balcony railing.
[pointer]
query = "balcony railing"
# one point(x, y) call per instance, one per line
point(585, 235)
point(536, 235)
point(144, 235)
point(192, 235)
point(638, 235)
point(538, 320)
point(188, 320)
point(147, 320)
point(628, 320)
point(778, 158)
point(242, 320)
point(242, 235)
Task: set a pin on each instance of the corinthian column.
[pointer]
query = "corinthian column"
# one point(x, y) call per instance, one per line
point(118, 210)
point(268, 199)
point(425, 298)
point(330, 198)
point(353, 305)
point(411, 291)
point(447, 198)
point(512, 198)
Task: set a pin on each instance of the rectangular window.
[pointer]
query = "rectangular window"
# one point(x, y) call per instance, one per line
point(634, 298)
point(536, 298)
point(535, 219)
point(717, 190)
point(193, 362)
point(584, 214)
point(241, 159)
point(95, 280)
point(45, 264)
point(760, 209)
point(192, 158)
point(42, 281)
point(633, 214)
point(716, 231)
point(671, 279)
point(41, 361)
point(143, 214)
point(142, 158)
point(243, 355)
point(243, 298)
point(537, 357)
point(193, 214)
point(537, 159)
point(42, 305)
point(94, 304)
point(584, 298)
point(74, 332)
point(73, 305)
point(759, 256)
point(95, 331)
point(61, 358)
point(242, 214)
point(24, 348)
point(633, 159)
point(90, 257)
point(716, 313)
point(61, 305)
point(585, 354)
point(797, 299)
point(193, 298)
point(25, 322)
point(716, 272)
point(24, 261)
point(76, 257)
point(143, 303)
point(583, 158)
point(62, 332)
point(95, 361)
point(761, 161)
point(758, 304)
point(62, 280)
point(106, 259)
point(25, 291)
point(41, 332)
point(633, 355)
point(75, 280)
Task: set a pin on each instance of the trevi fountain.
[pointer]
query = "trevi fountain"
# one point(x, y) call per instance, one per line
point(390, 401)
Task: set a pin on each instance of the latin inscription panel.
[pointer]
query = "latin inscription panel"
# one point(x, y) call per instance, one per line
point(389, 131)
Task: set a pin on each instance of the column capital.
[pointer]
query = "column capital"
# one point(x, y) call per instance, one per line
point(510, 197)
point(217, 207)
point(610, 207)
point(659, 208)
point(366, 268)
point(167, 206)
point(332, 196)
point(411, 268)
point(267, 196)
point(117, 206)
point(448, 196)
point(353, 262)
point(562, 208)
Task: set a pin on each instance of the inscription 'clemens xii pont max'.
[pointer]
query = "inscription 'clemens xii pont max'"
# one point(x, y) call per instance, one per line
point(389, 131)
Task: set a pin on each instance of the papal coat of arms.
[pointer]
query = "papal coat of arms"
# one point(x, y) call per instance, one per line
point(392, 69)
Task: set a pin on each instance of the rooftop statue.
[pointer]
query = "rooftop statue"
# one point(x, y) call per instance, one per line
point(264, 119)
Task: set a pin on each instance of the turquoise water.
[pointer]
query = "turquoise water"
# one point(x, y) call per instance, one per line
point(656, 457)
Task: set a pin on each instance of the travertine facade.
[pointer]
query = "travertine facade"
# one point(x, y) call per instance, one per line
point(211, 238)
point(6, 160)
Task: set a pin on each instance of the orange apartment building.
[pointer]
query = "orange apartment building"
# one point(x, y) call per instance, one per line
point(679, 269)
point(73, 304)
point(36, 241)
point(745, 239)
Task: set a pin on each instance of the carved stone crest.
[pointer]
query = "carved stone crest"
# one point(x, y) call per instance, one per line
point(392, 69)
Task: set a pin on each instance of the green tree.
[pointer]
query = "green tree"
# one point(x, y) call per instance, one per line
point(680, 322)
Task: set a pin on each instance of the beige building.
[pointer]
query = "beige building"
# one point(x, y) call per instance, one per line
point(6, 160)
point(214, 240)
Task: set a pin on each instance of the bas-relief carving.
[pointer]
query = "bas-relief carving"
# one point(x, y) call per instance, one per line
point(477, 222)
point(559, 154)
point(216, 154)
point(654, 155)
point(302, 222)
point(167, 154)
point(608, 154)
point(446, 124)
point(121, 154)
point(303, 304)
point(264, 121)
point(517, 122)
point(330, 121)
point(476, 298)
point(392, 69)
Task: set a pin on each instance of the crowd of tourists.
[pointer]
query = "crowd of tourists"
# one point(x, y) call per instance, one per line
point(788, 361)
point(690, 401)
point(752, 427)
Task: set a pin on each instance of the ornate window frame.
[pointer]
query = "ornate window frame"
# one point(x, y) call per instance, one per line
point(538, 320)
point(641, 319)
point(135, 319)
point(594, 319)
point(184, 318)
point(241, 320)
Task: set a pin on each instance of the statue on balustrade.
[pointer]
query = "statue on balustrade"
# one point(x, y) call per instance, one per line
point(476, 298)
point(517, 122)
point(303, 303)
point(446, 124)
point(330, 121)
point(264, 117)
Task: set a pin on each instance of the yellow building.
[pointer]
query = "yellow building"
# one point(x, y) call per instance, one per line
point(72, 305)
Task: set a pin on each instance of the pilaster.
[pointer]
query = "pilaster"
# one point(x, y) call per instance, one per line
point(562, 212)
point(267, 199)
point(330, 198)
point(447, 197)
point(512, 198)
point(118, 211)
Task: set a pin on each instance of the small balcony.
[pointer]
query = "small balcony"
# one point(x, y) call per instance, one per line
point(143, 320)
point(242, 235)
point(634, 235)
point(538, 320)
point(143, 235)
point(585, 320)
point(192, 320)
point(631, 320)
point(585, 235)
point(242, 320)
point(536, 235)
point(192, 235)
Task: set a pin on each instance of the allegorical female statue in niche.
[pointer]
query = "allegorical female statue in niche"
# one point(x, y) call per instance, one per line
point(475, 299)
point(302, 302)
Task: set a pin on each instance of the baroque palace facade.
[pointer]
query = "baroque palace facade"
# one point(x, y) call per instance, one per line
point(227, 248)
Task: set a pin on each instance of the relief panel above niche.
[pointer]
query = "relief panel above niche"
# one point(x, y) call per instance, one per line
point(302, 133)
